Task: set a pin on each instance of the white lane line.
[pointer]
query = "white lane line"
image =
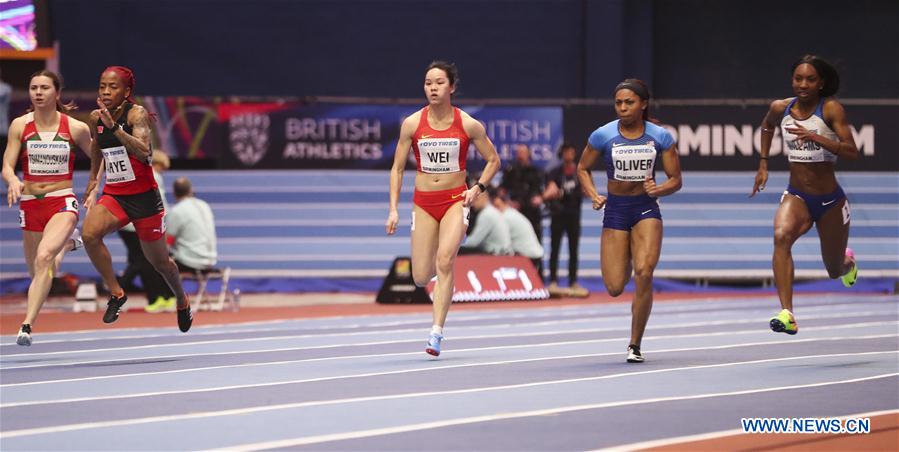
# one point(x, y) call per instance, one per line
point(315, 439)
point(539, 323)
point(667, 307)
point(326, 335)
point(473, 349)
point(723, 433)
point(396, 372)
point(385, 342)
point(477, 419)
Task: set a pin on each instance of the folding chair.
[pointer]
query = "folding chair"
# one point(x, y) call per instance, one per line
point(204, 301)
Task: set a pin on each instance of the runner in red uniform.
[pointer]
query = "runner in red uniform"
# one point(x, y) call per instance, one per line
point(44, 139)
point(439, 134)
point(121, 131)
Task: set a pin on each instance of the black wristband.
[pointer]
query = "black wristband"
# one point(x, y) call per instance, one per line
point(482, 187)
point(115, 126)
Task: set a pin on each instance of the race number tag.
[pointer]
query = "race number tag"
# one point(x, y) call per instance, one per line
point(48, 158)
point(118, 165)
point(633, 162)
point(72, 204)
point(439, 155)
point(21, 218)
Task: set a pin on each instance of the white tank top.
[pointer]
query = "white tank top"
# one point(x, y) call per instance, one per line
point(807, 152)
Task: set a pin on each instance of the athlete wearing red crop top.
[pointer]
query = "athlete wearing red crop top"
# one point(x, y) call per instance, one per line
point(44, 140)
point(121, 131)
point(439, 134)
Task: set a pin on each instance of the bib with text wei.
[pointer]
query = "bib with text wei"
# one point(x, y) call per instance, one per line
point(118, 165)
point(633, 163)
point(439, 155)
point(48, 158)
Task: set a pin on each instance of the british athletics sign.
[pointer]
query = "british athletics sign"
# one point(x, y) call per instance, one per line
point(296, 136)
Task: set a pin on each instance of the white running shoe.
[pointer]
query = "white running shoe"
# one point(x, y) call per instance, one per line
point(76, 239)
point(24, 337)
point(433, 347)
point(633, 354)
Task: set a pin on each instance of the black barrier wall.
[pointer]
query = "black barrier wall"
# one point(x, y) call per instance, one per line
point(504, 48)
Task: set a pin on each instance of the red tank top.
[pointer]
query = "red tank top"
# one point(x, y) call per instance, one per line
point(125, 174)
point(47, 160)
point(440, 151)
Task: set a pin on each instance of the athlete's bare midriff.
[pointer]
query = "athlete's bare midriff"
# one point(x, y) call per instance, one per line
point(437, 182)
point(42, 188)
point(626, 188)
point(816, 178)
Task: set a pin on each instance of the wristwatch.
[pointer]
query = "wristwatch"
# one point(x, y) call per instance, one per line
point(482, 187)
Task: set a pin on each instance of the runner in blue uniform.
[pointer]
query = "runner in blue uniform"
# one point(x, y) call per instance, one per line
point(815, 132)
point(632, 226)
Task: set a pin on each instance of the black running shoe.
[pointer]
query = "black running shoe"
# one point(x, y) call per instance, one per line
point(113, 307)
point(633, 354)
point(185, 319)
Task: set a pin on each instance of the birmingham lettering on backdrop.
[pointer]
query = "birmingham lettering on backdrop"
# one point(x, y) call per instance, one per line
point(730, 140)
point(723, 138)
point(728, 137)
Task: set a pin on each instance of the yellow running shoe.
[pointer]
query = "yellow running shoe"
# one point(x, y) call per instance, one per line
point(784, 322)
point(161, 304)
point(850, 277)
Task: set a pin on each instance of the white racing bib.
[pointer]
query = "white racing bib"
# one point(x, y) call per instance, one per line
point(118, 166)
point(48, 158)
point(439, 155)
point(807, 151)
point(633, 163)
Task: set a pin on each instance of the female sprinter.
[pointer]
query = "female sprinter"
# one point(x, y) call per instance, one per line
point(121, 131)
point(815, 132)
point(439, 135)
point(44, 139)
point(632, 225)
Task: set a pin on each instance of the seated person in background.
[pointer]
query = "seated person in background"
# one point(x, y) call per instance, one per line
point(490, 234)
point(524, 239)
point(191, 229)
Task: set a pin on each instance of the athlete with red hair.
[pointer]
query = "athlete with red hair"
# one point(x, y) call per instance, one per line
point(121, 131)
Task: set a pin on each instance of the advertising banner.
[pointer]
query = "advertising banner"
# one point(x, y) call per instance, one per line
point(275, 135)
point(182, 127)
point(495, 278)
point(727, 137)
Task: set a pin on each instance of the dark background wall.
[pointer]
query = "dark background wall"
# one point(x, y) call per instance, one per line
point(504, 48)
